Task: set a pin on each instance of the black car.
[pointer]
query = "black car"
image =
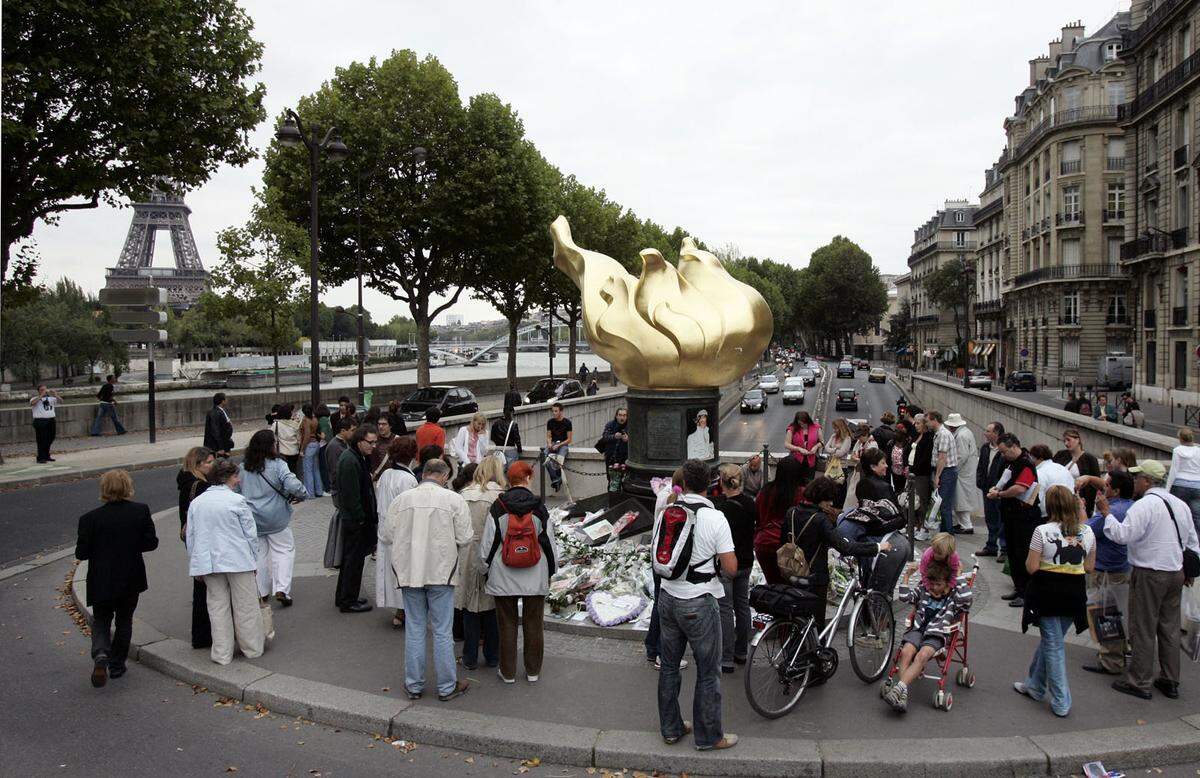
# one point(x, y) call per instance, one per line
point(809, 375)
point(450, 400)
point(1020, 381)
point(754, 400)
point(552, 389)
point(845, 370)
point(846, 400)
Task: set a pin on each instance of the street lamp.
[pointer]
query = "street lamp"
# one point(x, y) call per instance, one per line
point(418, 155)
point(292, 133)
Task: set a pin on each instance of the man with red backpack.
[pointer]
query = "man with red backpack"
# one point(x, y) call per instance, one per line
point(692, 545)
point(518, 559)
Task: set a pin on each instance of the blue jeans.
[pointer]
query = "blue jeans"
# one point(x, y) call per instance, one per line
point(995, 528)
point(1048, 670)
point(1190, 495)
point(109, 411)
point(946, 488)
point(429, 605)
point(312, 470)
point(696, 621)
point(480, 624)
point(735, 617)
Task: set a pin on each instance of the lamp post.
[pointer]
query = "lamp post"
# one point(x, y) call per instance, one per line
point(292, 133)
point(417, 154)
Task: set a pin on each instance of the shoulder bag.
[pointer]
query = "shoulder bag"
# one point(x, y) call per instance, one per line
point(1191, 560)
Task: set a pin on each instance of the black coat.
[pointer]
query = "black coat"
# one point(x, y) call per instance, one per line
point(218, 431)
point(112, 539)
point(988, 473)
point(190, 487)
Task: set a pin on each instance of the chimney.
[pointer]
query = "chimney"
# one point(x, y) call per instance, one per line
point(1071, 34)
point(1056, 49)
point(1037, 69)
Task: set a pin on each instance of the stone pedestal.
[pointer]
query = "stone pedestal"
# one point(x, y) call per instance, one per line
point(660, 421)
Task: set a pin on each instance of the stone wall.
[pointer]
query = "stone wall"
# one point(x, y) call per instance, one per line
point(1031, 422)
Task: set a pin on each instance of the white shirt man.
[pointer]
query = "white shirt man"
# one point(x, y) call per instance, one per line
point(1049, 474)
point(44, 407)
point(1156, 530)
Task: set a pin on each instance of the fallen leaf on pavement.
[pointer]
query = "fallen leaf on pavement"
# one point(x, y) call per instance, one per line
point(231, 769)
point(470, 760)
point(534, 762)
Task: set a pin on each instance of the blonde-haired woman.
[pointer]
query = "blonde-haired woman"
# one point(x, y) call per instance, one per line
point(741, 513)
point(478, 608)
point(112, 538)
point(1061, 553)
point(471, 443)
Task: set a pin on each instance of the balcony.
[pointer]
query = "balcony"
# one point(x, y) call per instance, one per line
point(1069, 219)
point(1066, 118)
point(1179, 316)
point(1179, 238)
point(1149, 319)
point(1181, 157)
point(1045, 225)
point(1146, 245)
point(1069, 320)
point(1116, 320)
point(1154, 20)
point(1069, 273)
point(1114, 163)
point(988, 306)
point(1070, 167)
point(1159, 90)
point(929, 318)
point(944, 245)
point(1113, 216)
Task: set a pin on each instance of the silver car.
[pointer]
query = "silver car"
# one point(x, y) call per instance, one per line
point(793, 390)
point(769, 383)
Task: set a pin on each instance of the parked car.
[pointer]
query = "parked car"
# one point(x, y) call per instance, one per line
point(769, 383)
point(754, 400)
point(845, 370)
point(450, 400)
point(793, 390)
point(846, 400)
point(808, 375)
point(552, 389)
point(978, 379)
point(1020, 381)
point(877, 376)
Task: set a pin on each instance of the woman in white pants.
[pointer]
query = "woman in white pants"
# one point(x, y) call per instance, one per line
point(270, 487)
point(221, 538)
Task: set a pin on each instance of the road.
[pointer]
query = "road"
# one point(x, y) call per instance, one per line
point(42, 518)
point(748, 431)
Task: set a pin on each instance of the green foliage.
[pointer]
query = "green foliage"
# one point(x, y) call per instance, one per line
point(400, 328)
point(950, 288)
point(900, 328)
point(206, 325)
point(840, 293)
point(62, 326)
point(101, 100)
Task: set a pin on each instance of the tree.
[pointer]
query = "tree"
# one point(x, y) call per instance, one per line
point(422, 218)
point(102, 100)
point(950, 288)
point(841, 293)
point(261, 280)
point(515, 245)
point(400, 328)
point(72, 333)
point(900, 328)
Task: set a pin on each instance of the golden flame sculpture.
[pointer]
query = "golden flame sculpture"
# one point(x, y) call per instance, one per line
point(696, 326)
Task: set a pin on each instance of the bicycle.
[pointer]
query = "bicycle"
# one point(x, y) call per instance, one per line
point(788, 654)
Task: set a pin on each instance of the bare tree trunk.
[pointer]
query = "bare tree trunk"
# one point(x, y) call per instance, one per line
point(422, 349)
point(513, 325)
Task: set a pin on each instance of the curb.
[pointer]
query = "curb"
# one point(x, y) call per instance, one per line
point(1165, 743)
point(92, 472)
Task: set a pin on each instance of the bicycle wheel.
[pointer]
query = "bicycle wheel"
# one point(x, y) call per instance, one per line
point(778, 667)
point(872, 636)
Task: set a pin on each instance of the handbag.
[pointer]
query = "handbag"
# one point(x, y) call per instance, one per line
point(333, 542)
point(834, 470)
point(790, 558)
point(1191, 560)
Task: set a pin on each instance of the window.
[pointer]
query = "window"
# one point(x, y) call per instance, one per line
point(1182, 132)
point(1071, 252)
point(1113, 255)
point(960, 217)
point(1069, 158)
point(1181, 363)
point(1070, 309)
point(1116, 309)
point(960, 238)
point(1070, 196)
point(1151, 362)
point(1116, 199)
point(1181, 287)
point(1152, 211)
point(1112, 50)
point(1070, 353)
point(1182, 206)
point(1185, 43)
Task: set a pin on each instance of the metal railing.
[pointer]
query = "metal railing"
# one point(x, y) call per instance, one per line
point(1181, 157)
point(929, 318)
point(1065, 118)
point(1067, 167)
point(1114, 163)
point(1175, 78)
point(988, 306)
point(1147, 244)
point(1070, 272)
point(1179, 316)
point(1069, 219)
point(1179, 238)
point(1136, 37)
point(1069, 320)
point(1114, 216)
point(1120, 319)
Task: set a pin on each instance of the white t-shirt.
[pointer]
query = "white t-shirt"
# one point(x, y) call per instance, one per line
point(1061, 554)
point(44, 407)
point(712, 537)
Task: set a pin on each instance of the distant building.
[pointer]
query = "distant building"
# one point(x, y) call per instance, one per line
point(873, 344)
point(948, 236)
point(454, 320)
point(991, 272)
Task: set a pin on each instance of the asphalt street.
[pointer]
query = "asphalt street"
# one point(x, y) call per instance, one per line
point(55, 723)
point(43, 518)
point(749, 431)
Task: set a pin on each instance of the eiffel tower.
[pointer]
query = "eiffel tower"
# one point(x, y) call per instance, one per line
point(186, 281)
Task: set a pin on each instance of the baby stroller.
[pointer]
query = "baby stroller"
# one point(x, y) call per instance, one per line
point(954, 652)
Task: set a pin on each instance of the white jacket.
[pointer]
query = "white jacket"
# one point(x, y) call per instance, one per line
point(425, 527)
point(461, 447)
point(287, 435)
point(221, 535)
point(1185, 464)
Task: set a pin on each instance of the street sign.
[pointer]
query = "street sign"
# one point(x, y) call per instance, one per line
point(138, 336)
point(124, 316)
point(142, 295)
point(1024, 353)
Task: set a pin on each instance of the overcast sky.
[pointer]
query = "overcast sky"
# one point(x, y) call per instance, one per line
point(770, 125)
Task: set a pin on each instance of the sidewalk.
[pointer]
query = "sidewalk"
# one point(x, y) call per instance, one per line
point(595, 704)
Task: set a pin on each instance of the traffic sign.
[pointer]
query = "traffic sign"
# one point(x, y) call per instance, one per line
point(124, 316)
point(1024, 353)
point(141, 295)
point(138, 336)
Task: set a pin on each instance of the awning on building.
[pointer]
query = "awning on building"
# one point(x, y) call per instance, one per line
point(987, 351)
point(977, 349)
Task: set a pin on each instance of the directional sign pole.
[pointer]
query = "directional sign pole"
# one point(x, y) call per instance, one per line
point(134, 306)
point(153, 409)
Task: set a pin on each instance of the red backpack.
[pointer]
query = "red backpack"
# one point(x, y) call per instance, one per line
point(520, 547)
